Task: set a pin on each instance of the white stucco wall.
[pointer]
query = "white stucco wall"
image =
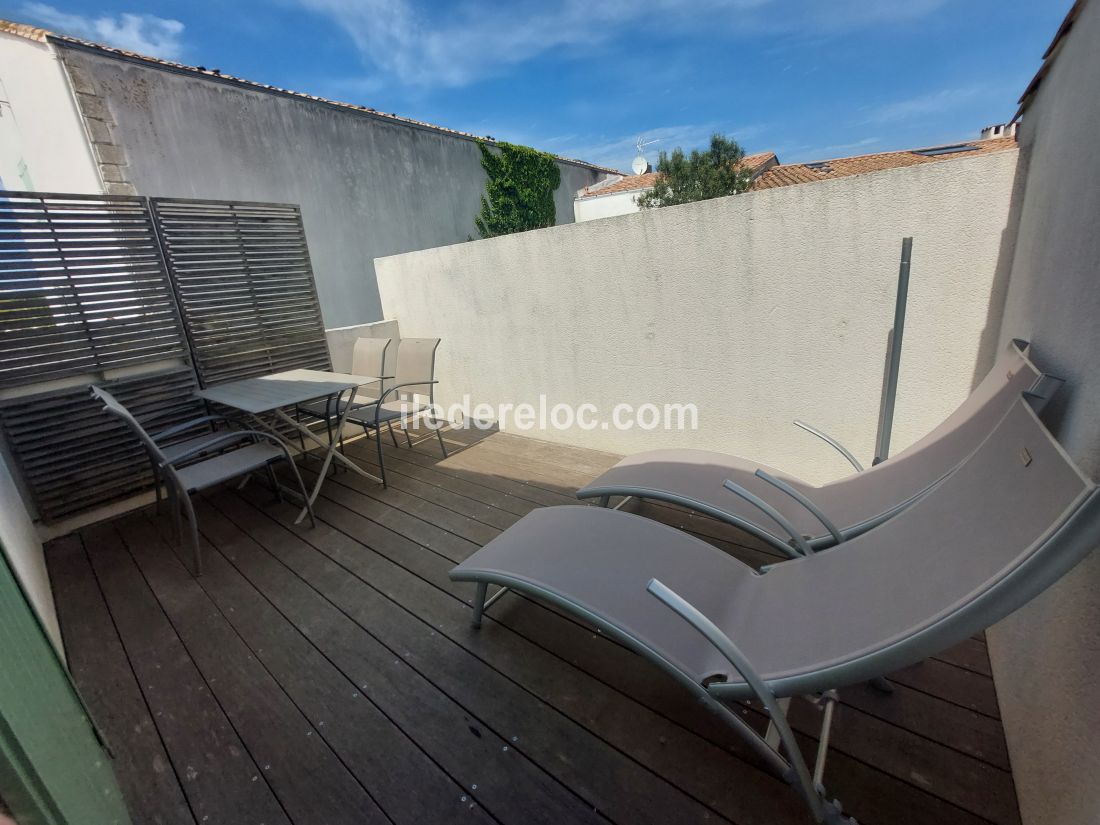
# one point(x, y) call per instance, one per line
point(20, 544)
point(43, 146)
point(605, 206)
point(760, 308)
point(1046, 657)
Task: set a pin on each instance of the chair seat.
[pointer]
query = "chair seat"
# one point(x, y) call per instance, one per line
point(229, 465)
point(390, 411)
point(174, 451)
point(320, 408)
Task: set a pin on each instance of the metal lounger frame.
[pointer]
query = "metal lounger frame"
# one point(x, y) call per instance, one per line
point(1069, 540)
point(795, 546)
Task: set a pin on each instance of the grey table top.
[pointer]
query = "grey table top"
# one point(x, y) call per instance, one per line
point(282, 389)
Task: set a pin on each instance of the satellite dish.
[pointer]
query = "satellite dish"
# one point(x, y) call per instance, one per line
point(641, 165)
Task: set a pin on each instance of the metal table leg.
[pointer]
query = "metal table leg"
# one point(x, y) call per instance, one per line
point(331, 454)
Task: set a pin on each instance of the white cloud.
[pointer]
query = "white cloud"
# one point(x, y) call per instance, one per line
point(480, 38)
point(933, 103)
point(143, 33)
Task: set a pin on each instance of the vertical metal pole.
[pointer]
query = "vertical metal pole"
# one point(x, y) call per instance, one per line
point(890, 390)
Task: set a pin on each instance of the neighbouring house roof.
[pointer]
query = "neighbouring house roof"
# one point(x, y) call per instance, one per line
point(630, 183)
point(773, 175)
point(43, 36)
point(787, 174)
point(23, 30)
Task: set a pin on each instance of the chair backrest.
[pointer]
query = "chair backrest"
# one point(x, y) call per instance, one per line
point(880, 489)
point(113, 406)
point(416, 362)
point(369, 357)
point(1011, 520)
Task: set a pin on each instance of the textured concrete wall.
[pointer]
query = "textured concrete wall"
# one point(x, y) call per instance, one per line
point(42, 140)
point(367, 186)
point(760, 308)
point(1046, 657)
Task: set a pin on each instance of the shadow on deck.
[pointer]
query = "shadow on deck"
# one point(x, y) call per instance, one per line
point(329, 675)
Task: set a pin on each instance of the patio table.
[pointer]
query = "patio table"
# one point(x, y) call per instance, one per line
point(271, 393)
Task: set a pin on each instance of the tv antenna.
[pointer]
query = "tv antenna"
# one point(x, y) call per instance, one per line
point(640, 164)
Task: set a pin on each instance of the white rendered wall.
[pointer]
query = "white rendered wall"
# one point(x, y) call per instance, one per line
point(759, 308)
point(42, 141)
point(1046, 657)
point(605, 206)
point(20, 543)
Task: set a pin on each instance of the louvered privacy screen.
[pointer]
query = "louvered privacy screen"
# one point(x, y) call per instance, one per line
point(83, 288)
point(83, 293)
point(92, 292)
point(74, 457)
point(245, 287)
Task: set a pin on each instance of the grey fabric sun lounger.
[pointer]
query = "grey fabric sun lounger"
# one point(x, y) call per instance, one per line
point(1012, 519)
point(849, 506)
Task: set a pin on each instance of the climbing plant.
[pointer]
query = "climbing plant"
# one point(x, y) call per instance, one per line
point(519, 192)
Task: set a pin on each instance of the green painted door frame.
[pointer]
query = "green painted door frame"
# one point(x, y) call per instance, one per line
point(53, 769)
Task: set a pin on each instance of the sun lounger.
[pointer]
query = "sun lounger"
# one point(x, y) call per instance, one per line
point(1012, 519)
point(781, 509)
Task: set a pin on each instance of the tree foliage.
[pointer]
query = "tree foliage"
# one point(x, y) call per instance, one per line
point(519, 193)
point(711, 174)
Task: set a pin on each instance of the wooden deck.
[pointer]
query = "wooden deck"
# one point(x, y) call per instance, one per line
point(329, 675)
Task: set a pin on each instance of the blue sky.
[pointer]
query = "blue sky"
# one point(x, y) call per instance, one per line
point(808, 79)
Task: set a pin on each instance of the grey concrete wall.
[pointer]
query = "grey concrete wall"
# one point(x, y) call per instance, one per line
point(368, 187)
point(1046, 657)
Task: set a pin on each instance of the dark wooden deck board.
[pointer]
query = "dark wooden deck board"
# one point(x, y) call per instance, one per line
point(424, 638)
point(220, 777)
point(944, 684)
point(303, 772)
point(362, 605)
point(109, 687)
point(877, 743)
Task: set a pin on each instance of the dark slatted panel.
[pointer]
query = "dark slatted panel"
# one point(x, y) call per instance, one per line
point(245, 286)
point(83, 287)
point(72, 456)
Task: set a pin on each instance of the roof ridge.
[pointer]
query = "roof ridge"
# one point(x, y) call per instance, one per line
point(975, 142)
point(44, 35)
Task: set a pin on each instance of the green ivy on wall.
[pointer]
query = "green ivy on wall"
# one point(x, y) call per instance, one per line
point(519, 193)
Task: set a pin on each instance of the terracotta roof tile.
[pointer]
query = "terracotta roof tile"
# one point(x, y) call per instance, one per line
point(42, 35)
point(23, 30)
point(787, 174)
point(630, 183)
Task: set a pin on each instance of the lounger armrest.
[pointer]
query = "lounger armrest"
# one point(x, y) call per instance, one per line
point(801, 546)
point(832, 442)
point(711, 632)
point(805, 501)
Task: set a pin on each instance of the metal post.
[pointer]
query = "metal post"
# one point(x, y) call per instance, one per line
point(890, 389)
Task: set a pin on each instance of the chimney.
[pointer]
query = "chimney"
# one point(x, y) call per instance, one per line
point(1000, 130)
